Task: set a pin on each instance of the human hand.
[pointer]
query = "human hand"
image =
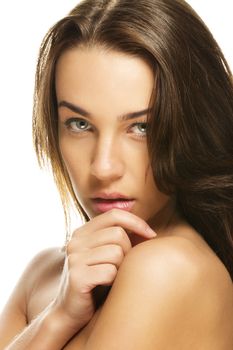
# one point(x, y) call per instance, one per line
point(93, 257)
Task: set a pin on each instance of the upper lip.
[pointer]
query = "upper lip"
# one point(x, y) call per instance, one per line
point(113, 195)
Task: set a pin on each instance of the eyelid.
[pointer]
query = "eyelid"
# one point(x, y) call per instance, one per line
point(74, 119)
point(70, 120)
point(140, 122)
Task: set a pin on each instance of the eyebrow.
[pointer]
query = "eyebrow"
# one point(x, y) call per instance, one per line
point(84, 113)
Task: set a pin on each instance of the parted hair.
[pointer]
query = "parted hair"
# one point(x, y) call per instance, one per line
point(190, 133)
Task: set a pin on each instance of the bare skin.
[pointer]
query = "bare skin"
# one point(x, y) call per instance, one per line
point(210, 302)
point(117, 285)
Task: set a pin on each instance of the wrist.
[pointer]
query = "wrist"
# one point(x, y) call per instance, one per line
point(57, 323)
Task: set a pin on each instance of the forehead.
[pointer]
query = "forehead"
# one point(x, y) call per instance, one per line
point(97, 75)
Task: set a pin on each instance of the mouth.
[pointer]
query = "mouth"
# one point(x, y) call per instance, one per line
point(106, 202)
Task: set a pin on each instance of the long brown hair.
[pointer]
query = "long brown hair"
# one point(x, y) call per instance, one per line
point(190, 137)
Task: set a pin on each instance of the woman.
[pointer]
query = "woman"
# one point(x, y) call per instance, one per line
point(134, 111)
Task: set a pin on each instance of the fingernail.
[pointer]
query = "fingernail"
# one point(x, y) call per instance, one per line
point(150, 232)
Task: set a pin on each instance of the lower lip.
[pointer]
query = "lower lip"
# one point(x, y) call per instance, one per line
point(102, 206)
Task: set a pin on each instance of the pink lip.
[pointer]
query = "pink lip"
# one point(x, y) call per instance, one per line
point(102, 205)
point(113, 195)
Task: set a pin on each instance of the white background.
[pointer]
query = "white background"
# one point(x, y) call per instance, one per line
point(31, 216)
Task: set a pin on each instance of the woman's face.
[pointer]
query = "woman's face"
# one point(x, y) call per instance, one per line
point(103, 100)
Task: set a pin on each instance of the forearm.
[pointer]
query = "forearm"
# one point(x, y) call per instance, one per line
point(48, 331)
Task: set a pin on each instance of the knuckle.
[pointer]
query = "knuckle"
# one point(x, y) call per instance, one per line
point(71, 260)
point(75, 233)
point(118, 253)
point(110, 272)
point(119, 232)
point(74, 245)
point(71, 246)
point(114, 213)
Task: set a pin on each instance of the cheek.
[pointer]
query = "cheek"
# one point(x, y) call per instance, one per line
point(74, 160)
point(153, 194)
point(149, 183)
point(138, 158)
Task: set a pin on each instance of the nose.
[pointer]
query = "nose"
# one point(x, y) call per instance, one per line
point(107, 162)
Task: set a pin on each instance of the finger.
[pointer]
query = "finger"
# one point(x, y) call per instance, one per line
point(107, 254)
point(122, 218)
point(102, 274)
point(93, 239)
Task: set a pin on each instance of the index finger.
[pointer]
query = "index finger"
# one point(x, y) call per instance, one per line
point(125, 219)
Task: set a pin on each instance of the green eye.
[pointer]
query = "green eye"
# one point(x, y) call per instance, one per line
point(139, 129)
point(77, 125)
point(142, 127)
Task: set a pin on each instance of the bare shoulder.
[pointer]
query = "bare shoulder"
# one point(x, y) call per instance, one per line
point(182, 255)
point(45, 264)
point(40, 269)
point(164, 290)
point(195, 267)
point(189, 272)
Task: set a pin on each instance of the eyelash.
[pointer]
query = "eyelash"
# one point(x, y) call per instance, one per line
point(68, 124)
